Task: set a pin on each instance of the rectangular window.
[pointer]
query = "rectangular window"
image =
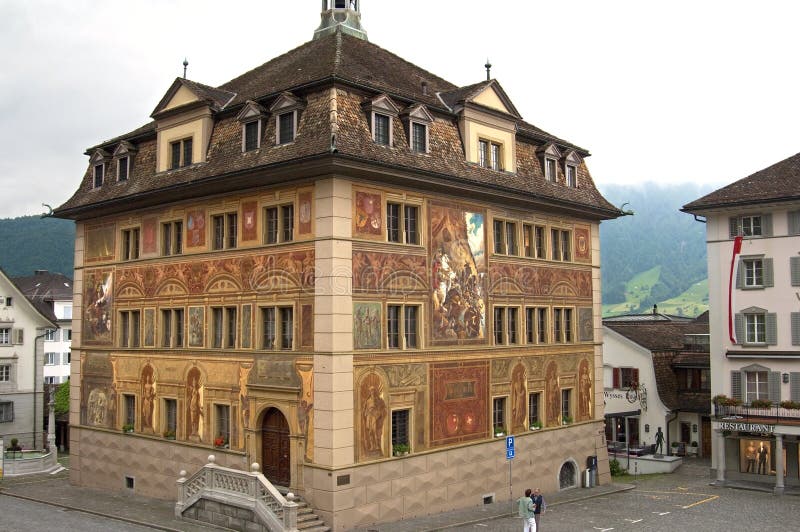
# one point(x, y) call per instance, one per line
point(5, 373)
point(381, 129)
point(499, 414)
point(562, 325)
point(65, 357)
point(419, 135)
point(505, 325)
point(286, 128)
point(130, 409)
point(225, 230)
point(755, 328)
point(172, 327)
point(130, 244)
point(402, 223)
point(505, 237)
point(98, 175)
point(560, 242)
point(50, 335)
point(402, 326)
point(122, 168)
point(495, 150)
point(67, 335)
point(536, 325)
point(499, 324)
point(572, 176)
point(180, 153)
point(52, 359)
point(170, 417)
point(6, 412)
point(172, 238)
point(527, 240)
point(757, 385)
point(694, 379)
point(400, 428)
point(251, 135)
point(483, 153)
point(5, 336)
point(539, 242)
point(279, 226)
point(499, 236)
point(533, 409)
point(277, 328)
point(224, 327)
point(222, 419)
point(753, 273)
point(751, 225)
point(550, 170)
point(129, 328)
point(625, 378)
point(8, 301)
point(566, 403)
point(489, 154)
point(512, 315)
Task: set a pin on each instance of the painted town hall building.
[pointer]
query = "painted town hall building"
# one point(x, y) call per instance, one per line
point(346, 269)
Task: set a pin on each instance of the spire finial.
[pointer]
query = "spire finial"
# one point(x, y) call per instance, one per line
point(185, 65)
point(488, 66)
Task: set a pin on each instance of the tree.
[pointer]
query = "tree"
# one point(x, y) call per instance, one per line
point(62, 398)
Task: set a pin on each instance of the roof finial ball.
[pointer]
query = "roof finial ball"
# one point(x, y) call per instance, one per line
point(488, 66)
point(185, 65)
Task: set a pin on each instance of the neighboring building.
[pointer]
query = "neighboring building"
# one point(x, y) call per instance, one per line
point(54, 291)
point(656, 375)
point(753, 235)
point(23, 325)
point(333, 258)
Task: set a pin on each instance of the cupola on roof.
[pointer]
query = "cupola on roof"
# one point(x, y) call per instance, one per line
point(341, 15)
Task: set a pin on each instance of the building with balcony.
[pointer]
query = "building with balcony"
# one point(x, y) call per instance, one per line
point(753, 236)
point(657, 377)
point(347, 269)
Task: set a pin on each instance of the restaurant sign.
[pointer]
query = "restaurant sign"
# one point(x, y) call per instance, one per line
point(746, 427)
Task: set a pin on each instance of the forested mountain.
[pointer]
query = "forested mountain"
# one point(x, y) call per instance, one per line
point(31, 243)
point(655, 255)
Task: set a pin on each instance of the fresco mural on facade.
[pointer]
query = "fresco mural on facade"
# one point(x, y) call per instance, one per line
point(249, 221)
point(196, 326)
point(367, 222)
point(244, 400)
point(539, 280)
point(247, 330)
point(98, 298)
point(389, 273)
point(194, 405)
point(519, 399)
point(583, 244)
point(553, 394)
point(373, 409)
point(148, 395)
point(304, 214)
point(196, 228)
point(149, 236)
point(367, 325)
point(585, 324)
point(458, 275)
point(149, 327)
point(100, 242)
point(459, 402)
point(307, 326)
point(98, 396)
point(584, 390)
point(305, 410)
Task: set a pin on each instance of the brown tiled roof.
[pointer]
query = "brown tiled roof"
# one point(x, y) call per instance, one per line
point(356, 67)
point(779, 182)
point(658, 336)
point(45, 286)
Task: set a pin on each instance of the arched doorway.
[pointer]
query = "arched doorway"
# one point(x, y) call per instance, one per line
point(275, 460)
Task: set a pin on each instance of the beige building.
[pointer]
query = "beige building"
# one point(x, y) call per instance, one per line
point(753, 235)
point(349, 270)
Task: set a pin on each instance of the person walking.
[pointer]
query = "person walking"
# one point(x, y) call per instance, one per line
point(539, 507)
point(525, 509)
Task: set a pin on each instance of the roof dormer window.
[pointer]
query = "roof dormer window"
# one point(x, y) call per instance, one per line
point(287, 115)
point(181, 153)
point(99, 160)
point(99, 170)
point(571, 163)
point(417, 120)
point(572, 175)
point(381, 112)
point(124, 157)
point(251, 119)
point(549, 155)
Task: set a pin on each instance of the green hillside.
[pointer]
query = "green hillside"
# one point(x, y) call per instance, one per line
point(33, 243)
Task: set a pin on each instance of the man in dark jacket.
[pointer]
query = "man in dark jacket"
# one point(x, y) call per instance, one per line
point(539, 506)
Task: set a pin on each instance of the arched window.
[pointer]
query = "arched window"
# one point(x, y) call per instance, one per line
point(567, 477)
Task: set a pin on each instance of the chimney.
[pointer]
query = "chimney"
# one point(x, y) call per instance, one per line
point(424, 88)
point(655, 309)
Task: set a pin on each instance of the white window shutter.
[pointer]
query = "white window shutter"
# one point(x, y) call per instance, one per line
point(794, 386)
point(774, 387)
point(736, 385)
point(739, 328)
point(772, 328)
point(795, 328)
point(766, 225)
point(794, 223)
point(18, 336)
point(794, 270)
point(769, 273)
point(740, 269)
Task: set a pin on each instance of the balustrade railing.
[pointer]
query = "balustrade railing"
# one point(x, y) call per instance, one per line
point(747, 413)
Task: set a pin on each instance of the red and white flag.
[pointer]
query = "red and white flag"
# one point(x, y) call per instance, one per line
point(737, 248)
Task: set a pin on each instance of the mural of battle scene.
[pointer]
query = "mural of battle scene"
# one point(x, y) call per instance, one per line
point(98, 297)
point(458, 275)
point(373, 411)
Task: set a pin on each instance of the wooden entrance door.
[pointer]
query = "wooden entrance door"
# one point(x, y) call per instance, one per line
point(706, 428)
point(275, 448)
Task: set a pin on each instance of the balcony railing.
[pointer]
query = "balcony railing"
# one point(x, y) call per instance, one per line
point(745, 413)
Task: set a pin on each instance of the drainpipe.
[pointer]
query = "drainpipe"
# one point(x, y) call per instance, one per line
point(35, 341)
point(669, 444)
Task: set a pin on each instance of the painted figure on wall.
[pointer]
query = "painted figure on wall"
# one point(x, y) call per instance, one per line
point(368, 214)
point(99, 298)
point(244, 400)
point(305, 410)
point(148, 398)
point(553, 395)
point(196, 326)
point(366, 325)
point(97, 407)
point(519, 397)
point(373, 416)
point(458, 274)
point(194, 404)
point(196, 229)
point(304, 213)
point(585, 390)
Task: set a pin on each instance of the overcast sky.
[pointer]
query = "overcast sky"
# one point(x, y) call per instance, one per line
point(671, 91)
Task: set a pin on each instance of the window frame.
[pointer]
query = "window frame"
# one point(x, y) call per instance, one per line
point(398, 229)
point(505, 324)
point(282, 233)
point(279, 117)
point(566, 404)
point(755, 327)
point(490, 154)
point(170, 415)
point(414, 137)
point(563, 325)
point(130, 328)
point(279, 340)
point(550, 169)
point(173, 323)
point(5, 336)
point(185, 153)
point(377, 137)
point(120, 166)
point(6, 411)
point(224, 327)
point(5, 373)
point(130, 243)
point(402, 329)
point(400, 432)
point(129, 409)
point(499, 417)
point(246, 140)
point(172, 238)
point(571, 174)
point(509, 237)
point(761, 388)
point(224, 231)
point(98, 175)
point(753, 272)
point(561, 244)
point(534, 408)
point(222, 422)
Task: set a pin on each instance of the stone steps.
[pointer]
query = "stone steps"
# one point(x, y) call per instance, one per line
point(307, 520)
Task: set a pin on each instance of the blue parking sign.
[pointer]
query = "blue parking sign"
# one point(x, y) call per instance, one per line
point(509, 453)
point(510, 442)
